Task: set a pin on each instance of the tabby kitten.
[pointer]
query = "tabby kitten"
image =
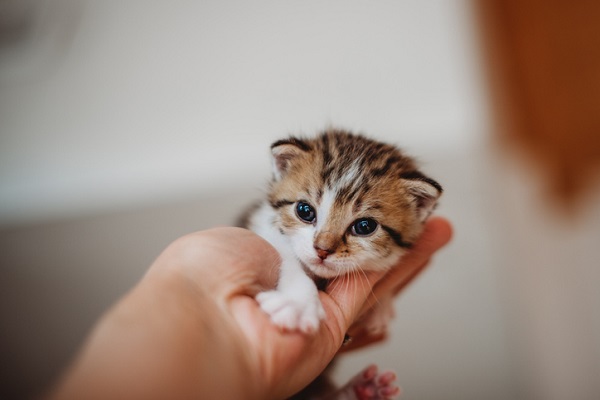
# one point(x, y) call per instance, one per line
point(338, 204)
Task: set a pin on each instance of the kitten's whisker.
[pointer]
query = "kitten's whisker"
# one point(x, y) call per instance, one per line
point(334, 282)
point(355, 277)
point(366, 282)
point(359, 278)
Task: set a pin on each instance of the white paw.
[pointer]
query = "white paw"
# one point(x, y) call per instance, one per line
point(379, 317)
point(302, 313)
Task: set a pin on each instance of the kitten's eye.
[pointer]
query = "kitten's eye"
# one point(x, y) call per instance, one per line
point(305, 212)
point(364, 227)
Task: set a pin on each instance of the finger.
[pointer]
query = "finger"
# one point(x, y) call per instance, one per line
point(279, 356)
point(239, 261)
point(361, 338)
point(247, 250)
point(436, 234)
point(346, 295)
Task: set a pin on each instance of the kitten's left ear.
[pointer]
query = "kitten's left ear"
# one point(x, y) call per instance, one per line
point(284, 152)
point(425, 192)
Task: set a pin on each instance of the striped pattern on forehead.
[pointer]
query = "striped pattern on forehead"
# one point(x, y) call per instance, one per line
point(353, 164)
point(345, 176)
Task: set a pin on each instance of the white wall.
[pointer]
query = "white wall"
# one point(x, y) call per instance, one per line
point(106, 104)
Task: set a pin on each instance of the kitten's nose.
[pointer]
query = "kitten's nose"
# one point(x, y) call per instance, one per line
point(325, 244)
point(323, 253)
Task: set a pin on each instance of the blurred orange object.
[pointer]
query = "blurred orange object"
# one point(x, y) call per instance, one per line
point(544, 72)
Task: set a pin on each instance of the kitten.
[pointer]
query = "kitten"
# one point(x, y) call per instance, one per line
point(338, 204)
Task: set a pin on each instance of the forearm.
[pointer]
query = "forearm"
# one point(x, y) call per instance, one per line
point(158, 342)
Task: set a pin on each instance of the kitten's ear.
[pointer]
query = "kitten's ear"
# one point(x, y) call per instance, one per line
point(425, 192)
point(284, 152)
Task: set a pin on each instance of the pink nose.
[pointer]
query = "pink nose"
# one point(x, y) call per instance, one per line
point(323, 253)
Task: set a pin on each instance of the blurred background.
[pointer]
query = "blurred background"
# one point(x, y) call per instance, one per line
point(125, 124)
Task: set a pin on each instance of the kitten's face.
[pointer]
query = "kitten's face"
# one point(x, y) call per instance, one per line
point(348, 203)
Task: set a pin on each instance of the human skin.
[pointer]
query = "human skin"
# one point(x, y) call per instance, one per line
point(192, 329)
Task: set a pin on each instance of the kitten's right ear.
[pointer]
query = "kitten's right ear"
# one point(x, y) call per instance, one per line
point(284, 152)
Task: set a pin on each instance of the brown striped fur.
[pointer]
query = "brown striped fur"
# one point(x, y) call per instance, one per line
point(368, 178)
point(344, 178)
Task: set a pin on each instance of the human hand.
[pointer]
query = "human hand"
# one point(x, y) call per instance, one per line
point(192, 329)
point(286, 361)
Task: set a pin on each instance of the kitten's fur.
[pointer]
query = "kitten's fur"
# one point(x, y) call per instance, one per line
point(337, 204)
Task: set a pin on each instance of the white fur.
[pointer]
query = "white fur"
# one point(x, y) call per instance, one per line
point(324, 208)
point(349, 177)
point(294, 304)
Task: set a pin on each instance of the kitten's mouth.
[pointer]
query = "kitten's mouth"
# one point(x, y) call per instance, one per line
point(322, 268)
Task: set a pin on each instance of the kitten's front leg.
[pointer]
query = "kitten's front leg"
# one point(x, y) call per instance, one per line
point(294, 304)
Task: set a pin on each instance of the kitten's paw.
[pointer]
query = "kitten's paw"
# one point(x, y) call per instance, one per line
point(292, 312)
point(369, 384)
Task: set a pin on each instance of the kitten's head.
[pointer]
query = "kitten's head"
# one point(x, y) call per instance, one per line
point(347, 202)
